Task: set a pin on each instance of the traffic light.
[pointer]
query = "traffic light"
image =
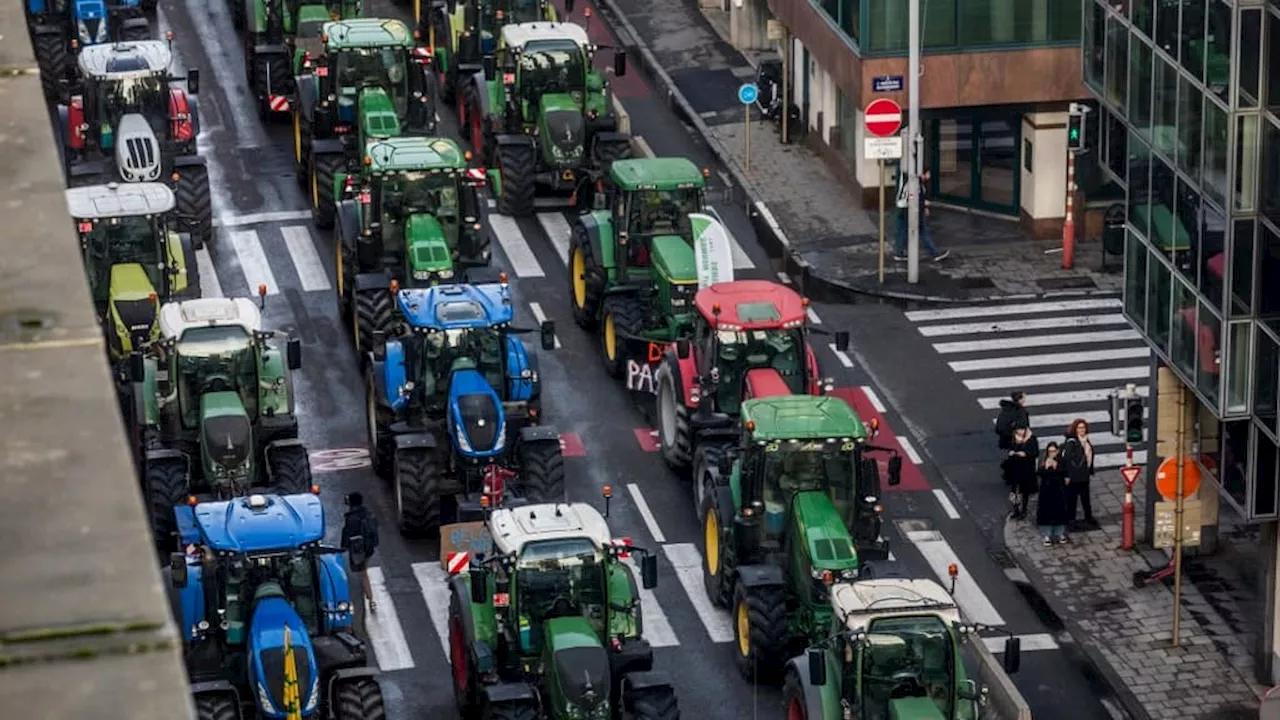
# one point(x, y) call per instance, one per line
point(1133, 419)
point(1075, 131)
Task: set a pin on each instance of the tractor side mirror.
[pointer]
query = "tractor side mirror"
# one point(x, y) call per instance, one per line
point(842, 340)
point(293, 353)
point(1012, 655)
point(895, 470)
point(649, 571)
point(137, 367)
point(568, 7)
point(682, 348)
point(193, 81)
point(817, 667)
point(968, 690)
point(490, 66)
point(178, 569)
point(479, 585)
point(379, 345)
point(548, 330)
point(619, 63)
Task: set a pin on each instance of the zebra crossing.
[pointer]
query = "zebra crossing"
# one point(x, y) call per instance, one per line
point(1066, 355)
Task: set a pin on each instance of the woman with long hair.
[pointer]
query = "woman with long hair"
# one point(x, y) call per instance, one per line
point(1051, 508)
point(1077, 460)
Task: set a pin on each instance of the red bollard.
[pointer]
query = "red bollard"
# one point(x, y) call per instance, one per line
point(1127, 520)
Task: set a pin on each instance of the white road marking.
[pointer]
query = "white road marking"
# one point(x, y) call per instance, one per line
point(657, 628)
point(557, 230)
point(1063, 378)
point(209, 285)
point(305, 258)
point(1030, 643)
point(999, 326)
point(844, 359)
point(945, 502)
point(541, 317)
point(253, 261)
point(910, 450)
point(1061, 420)
point(518, 252)
point(491, 203)
point(784, 278)
point(383, 627)
point(1063, 398)
point(892, 557)
point(741, 261)
point(813, 316)
point(433, 581)
point(1118, 459)
point(1032, 341)
point(1020, 309)
point(229, 221)
point(646, 514)
point(643, 146)
point(687, 561)
point(938, 553)
point(1067, 358)
point(874, 398)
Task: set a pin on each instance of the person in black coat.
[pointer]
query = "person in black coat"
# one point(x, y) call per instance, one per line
point(1077, 460)
point(1019, 468)
point(1051, 509)
point(1013, 412)
point(359, 540)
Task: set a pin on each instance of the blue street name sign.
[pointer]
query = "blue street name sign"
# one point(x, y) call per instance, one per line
point(886, 83)
point(748, 93)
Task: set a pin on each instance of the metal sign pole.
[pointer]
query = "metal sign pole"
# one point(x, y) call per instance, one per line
point(913, 129)
point(786, 84)
point(882, 222)
point(1177, 519)
point(746, 121)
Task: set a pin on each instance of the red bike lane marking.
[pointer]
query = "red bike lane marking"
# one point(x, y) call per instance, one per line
point(627, 86)
point(913, 479)
point(571, 445)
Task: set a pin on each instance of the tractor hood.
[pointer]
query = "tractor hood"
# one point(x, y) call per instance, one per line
point(91, 24)
point(476, 420)
point(428, 248)
point(378, 120)
point(673, 257)
point(581, 665)
point(283, 664)
point(137, 150)
point(825, 534)
point(226, 439)
point(914, 708)
point(134, 306)
point(563, 127)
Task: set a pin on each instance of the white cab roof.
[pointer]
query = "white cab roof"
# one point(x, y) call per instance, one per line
point(96, 202)
point(511, 529)
point(515, 36)
point(122, 60)
point(177, 318)
point(866, 600)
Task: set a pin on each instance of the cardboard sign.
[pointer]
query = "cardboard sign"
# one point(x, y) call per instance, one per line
point(468, 537)
point(1166, 512)
point(712, 250)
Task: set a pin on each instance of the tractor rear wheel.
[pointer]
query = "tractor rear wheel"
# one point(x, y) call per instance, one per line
point(517, 165)
point(622, 318)
point(715, 575)
point(359, 699)
point(271, 76)
point(289, 470)
point(417, 478)
point(761, 629)
point(216, 707)
point(658, 703)
point(373, 314)
point(51, 56)
point(793, 697)
point(195, 201)
point(323, 168)
point(378, 418)
point(166, 487)
point(192, 265)
point(463, 670)
point(542, 472)
point(675, 433)
point(586, 280)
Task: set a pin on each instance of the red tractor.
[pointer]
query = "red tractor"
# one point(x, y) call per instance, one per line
point(750, 339)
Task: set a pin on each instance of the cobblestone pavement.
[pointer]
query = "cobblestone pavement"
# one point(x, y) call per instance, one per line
point(1127, 631)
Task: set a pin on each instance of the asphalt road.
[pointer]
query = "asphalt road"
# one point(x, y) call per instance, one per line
point(264, 236)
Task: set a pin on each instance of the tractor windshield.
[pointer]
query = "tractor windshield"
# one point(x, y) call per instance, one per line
point(408, 193)
point(213, 359)
point(147, 96)
point(505, 12)
point(552, 67)
point(662, 212)
point(480, 347)
point(383, 67)
point(119, 241)
point(907, 657)
point(561, 578)
point(243, 579)
point(796, 466)
point(738, 352)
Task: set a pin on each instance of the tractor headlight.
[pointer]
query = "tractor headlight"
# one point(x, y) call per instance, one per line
point(573, 712)
point(344, 607)
point(421, 274)
point(264, 701)
point(102, 31)
point(526, 374)
point(463, 443)
point(313, 698)
point(445, 274)
point(848, 574)
point(83, 31)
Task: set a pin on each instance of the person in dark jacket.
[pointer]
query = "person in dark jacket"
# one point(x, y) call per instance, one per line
point(359, 540)
point(1019, 468)
point(1077, 460)
point(1051, 507)
point(1013, 412)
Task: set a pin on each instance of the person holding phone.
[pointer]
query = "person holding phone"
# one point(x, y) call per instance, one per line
point(1051, 508)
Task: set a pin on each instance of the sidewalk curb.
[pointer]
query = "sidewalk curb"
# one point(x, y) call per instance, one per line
point(1121, 691)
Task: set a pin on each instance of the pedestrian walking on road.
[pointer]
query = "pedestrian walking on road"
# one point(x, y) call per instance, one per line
point(1012, 413)
point(1077, 460)
point(1051, 507)
point(359, 540)
point(1019, 469)
point(904, 215)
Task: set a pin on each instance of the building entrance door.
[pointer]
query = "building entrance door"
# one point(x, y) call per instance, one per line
point(974, 158)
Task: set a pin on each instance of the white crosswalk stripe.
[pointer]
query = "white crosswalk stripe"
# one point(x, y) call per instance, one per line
point(305, 258)
point(253, 261)
point(1066, 355)
point(557, 230)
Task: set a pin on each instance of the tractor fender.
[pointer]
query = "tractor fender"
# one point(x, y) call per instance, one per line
point(164, 454)
point(503, 693)
point(761, 576)
point(812, 693)
point(591, 227)
point(685, 372)
point(347, 673)
point(480, 651)
point(372, 281)
point(513, 139)
point(414, 440)
point(189, 160)
point(306, 87)
point(377, 371)
point(539, 433)
point(348, 223)
point(605, 136)
point(215, 687)
point(481, 84)
point(270, 49)
point(811, 360)
point(135, 22)
point(327, 146)
point(275, 445)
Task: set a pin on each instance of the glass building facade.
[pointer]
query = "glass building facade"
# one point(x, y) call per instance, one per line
point(1188, 124)
point(879, 27)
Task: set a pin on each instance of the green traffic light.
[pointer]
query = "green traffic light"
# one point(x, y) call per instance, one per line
point(1074, 133)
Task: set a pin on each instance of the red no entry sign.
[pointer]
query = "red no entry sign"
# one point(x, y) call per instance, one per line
point(883, 117)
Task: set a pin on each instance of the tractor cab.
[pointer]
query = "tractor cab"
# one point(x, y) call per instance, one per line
point(651, 201)
point(489, 17)
point(364, 58)
point(97, 22)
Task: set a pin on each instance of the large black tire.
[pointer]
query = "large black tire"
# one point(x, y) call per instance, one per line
point(602, 156)
point(657, 703)
point(193, 290)
point(463, 669)
point(512, 711)
point(373, 314)
point(195, 200)
point(706, 459)
point(715, 573)
point(237, 13)
point(586, 309)
point(323, 168)
point(621, 318)
point(290, 470)
point(270, 72)
point(542, 472)
point(794, 705)
point(53, 60)
point(675, 432)
point(378, 417)
point(166, 486)
point(216, 707)
point(761, 657)
point(417, 479)
point(302, 155)
point(358, 699)
point(517, 164)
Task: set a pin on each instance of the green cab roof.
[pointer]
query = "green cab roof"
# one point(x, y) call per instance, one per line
point(366, 33)
point(656, 174)
point(399, 154)
point(802, 417)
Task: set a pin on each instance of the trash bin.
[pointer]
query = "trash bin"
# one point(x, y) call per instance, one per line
point(1113, 230)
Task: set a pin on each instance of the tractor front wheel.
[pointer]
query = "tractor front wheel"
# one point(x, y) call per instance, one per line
point(195, 201)
point(715, 575)
point(359, 699)
point(542, 472)
point(793, 698)
point(761, 630)
point(517, 165)
point(290, 470)
point(623, 318)
point(166, 487)
point(379, 420)
point(586, 280)
point(658, 703)
point(216, 707)
point(463, 671)
point(373, 314)
point(52, 57)
point(323, 168)
point(271, 76)
point(417, 477)
point(675, 433)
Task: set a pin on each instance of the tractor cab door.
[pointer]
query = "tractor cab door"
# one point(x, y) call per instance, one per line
point(631, 216)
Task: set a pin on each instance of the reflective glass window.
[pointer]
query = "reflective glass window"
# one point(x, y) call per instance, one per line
point(1168, 233)
point(1266, 356)
point(1167, 26)
point(1239, 356)
point(1182, 348)
point(1140, 185)
point(1164, 130)
point(1235, 460)
point(1064, 19)
point(1140, 85)
point(1270, 189)
point(1135, 279)
point(1273, 64)
point(1094, 44)
point(1192, 36)
point(1117, 145)
point(1208, 340)
point(1250, 54)
point(1211, 257)
point(1159, 302)
point(1190, 103)
point(1268, 271)
point(1117, 63)
point(1242, 260)
point(1215, 152)
point(1140, 16)
point(1264, 476)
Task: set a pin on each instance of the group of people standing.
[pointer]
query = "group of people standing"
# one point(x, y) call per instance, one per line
point(1059, 472)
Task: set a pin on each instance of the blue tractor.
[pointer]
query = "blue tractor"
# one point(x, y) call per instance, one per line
point(59, 28)
point(265, 613)
point(453, 407)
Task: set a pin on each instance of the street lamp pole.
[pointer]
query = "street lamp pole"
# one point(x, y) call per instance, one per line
point(913, 147)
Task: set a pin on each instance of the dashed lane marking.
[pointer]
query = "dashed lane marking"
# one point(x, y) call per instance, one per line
point(874, 399)
point(945, 502)
point(302, 250)
point(645, 513)
point(253, 261)
point(383, 627)
point(541, 317)
point(433, 581)
point(843, 358)
point(687, 561)
point(209, 285)
point(910, 450)
point(657, 628)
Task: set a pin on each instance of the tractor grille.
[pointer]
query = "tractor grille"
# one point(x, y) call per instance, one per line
point(566, 129)
point(137, 316)
point(682, 297)
point(226, 440)
point(141, 158)
point(273, 672)
point(582, 672)
point(479, 415)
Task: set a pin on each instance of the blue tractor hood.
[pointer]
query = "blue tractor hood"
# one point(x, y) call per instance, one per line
point(253, 524)
point(89, 10)
point(477, 423)
point(268, 657)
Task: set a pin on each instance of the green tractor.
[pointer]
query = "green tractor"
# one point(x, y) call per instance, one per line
point(369, 81)
point(462, 34)
point(549, 626)
point(776, 510)
point(271, 52)
point(896, 649)
point(216, 408)
point(133, 259)
point(542, 115)
point(413, 217)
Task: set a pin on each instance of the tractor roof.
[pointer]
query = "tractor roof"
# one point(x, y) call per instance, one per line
point(802, 417)
point(448, 307)
point(862, 601)
point(259, 523)
point(751, 305)
point(517, 35)
point(177, 318)
point(414, 153)
point(124, 60)
point(359, 33)
point(656, 174)
point(512, 529)
point(114, 200)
